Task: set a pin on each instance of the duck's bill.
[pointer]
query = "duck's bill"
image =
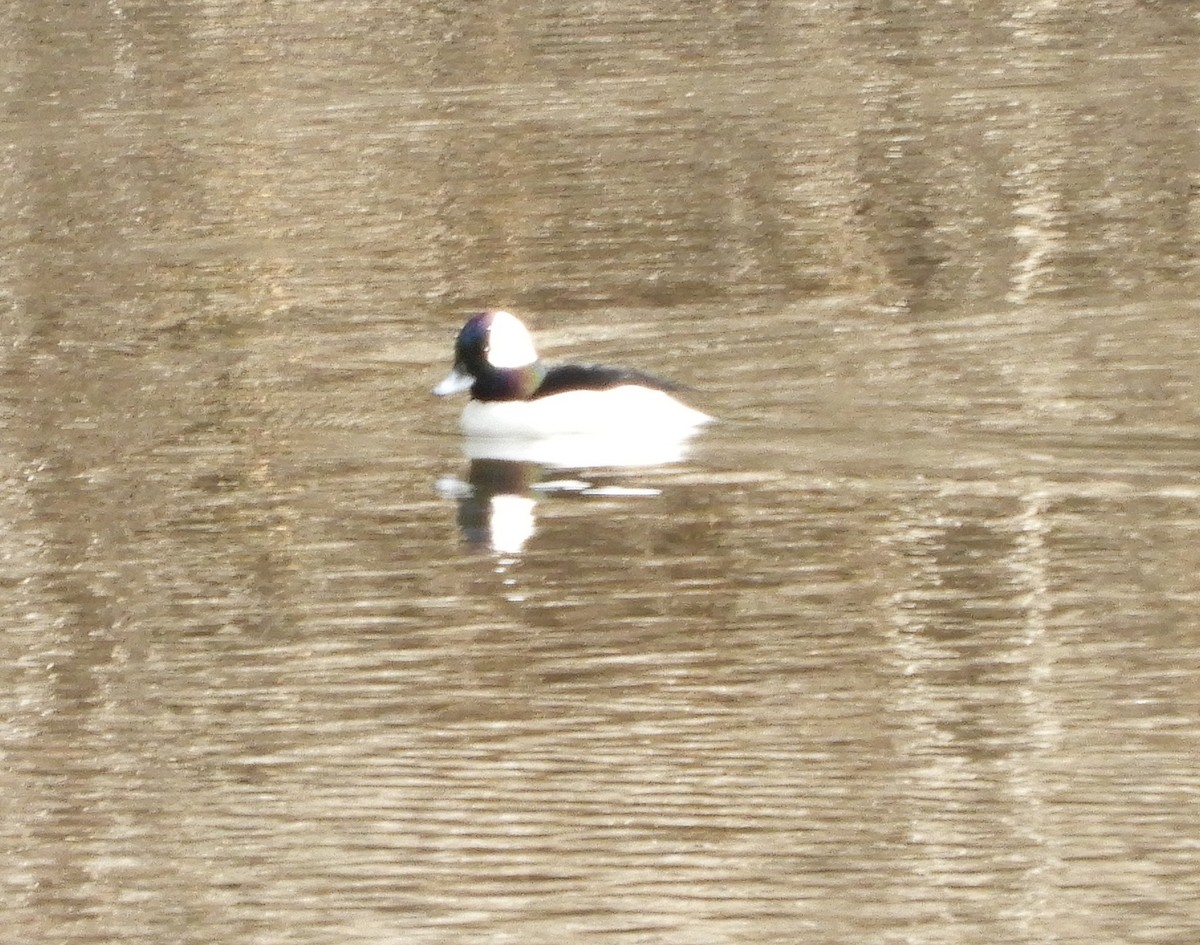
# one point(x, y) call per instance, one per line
point(455, 383)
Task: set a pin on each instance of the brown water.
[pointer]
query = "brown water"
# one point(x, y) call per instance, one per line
point(906, 651)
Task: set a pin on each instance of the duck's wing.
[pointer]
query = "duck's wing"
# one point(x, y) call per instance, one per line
point(568, 377)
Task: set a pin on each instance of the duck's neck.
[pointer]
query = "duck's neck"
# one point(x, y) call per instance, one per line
point(509, 383)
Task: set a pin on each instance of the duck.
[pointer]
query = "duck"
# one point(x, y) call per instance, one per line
point(515, 396)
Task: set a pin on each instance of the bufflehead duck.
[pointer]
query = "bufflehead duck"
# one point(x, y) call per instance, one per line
point(513, 395)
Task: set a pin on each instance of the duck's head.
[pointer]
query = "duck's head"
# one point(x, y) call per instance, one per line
point(494, 358)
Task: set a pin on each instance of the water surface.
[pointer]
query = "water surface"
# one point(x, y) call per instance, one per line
point(903, 650)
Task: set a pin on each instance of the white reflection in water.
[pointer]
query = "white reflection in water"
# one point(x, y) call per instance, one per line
point(510, 522)
point(498, 500)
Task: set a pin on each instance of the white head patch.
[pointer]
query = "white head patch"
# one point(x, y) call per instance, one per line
point(509, 343)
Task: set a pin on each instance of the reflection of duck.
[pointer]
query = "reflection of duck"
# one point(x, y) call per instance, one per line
point(496, 504)
point(495, 510)
point(514, 396)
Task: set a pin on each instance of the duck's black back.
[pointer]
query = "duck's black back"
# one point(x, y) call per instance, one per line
point(568, 377)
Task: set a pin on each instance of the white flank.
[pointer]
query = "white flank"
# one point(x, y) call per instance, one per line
point(581, 451)
point(630, 411)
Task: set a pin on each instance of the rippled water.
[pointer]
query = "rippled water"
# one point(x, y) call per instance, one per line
point(903, 650)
